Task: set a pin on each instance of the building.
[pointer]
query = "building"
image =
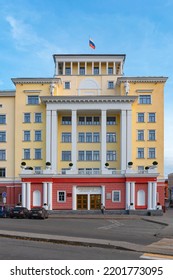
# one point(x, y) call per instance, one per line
point(88, 121)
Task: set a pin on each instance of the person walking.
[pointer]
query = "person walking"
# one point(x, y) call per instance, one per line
point(102, 208)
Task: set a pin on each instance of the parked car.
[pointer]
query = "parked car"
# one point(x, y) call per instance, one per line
point(19, 212)
point(39, 213)
point(5, 211)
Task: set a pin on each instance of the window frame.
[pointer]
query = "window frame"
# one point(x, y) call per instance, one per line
point(119, 196)
point(59, 198)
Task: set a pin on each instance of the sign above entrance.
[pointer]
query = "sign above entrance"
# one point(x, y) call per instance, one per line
point(94, 190)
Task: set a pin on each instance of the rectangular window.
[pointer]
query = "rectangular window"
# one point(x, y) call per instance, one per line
point(96, 155)
point(152, 117)
point(61, 196)
point(88, 137)
point(81, 137)
point(81, 155)
point(38, 117)
point(151, 153)
point(81, 121)
point(96, 70)
point(2, 136)
point(82, 71)
point(68, 71)
point(140, 135)
point(66, 155)
point(141, 169)
point(88, 120)
point(110, 70)
point(111, 137)
point(66, 137)
point(96, 137)
point(26, 153)
point(67, 85)
point(26, 136)
point(88, 171)
point(27, 117)
point(144, 99)
point(2, 119)
point(66, 120)
point(33, 100)
point(111, 155)
point(2, 172)
point(38, 135)
point(38, 154)
point(152, 135)
point(37, 170)
point(116, 196)
point(110, 84)
point(96, 120)
point(111, 120)
point(140, 153)
point(88, 155)
point(141, 117)
point(2, 154)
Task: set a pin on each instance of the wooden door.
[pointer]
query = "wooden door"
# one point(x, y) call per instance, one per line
point(82, 202)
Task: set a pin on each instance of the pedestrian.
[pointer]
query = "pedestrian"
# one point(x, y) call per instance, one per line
point(45, 206)
point(102, 208)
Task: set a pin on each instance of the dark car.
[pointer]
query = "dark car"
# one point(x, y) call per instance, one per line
point(39, 213)
point(19, 212)
point(5, 211)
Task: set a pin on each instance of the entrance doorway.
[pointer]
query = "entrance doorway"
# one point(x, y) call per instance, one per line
point(95, 201)
point(82, 202)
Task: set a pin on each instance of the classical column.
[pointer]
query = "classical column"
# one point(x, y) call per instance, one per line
point(154, 195)
point(74, 139)
point(74, 198)
point(127, 195)
point(24, 194)
point(149, 195)
point(123, 140)
point(129, 135)
point(103, 195)
point(54, 140)
point(132, 195)
point(103, 140)
point(45, 193)
point(48, 135)
point(28, 196)
point(49, 200)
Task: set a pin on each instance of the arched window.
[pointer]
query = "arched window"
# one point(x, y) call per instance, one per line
point(36, 198)
point(141, 198)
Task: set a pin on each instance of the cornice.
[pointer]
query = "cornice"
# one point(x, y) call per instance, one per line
point(88, 99)
point(35, 80)
point(142, 79)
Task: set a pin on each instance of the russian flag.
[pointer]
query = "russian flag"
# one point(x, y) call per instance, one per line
point(91, 44)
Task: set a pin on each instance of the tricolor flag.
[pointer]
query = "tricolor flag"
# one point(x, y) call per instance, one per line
point(91, 44)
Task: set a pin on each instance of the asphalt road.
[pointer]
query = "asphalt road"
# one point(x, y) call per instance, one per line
point(136, 231)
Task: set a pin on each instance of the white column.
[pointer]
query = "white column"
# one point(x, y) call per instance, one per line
point(78, 68)
point(88, 200)
point(149, 195)
point(132, 195)
point(114, 68)
point(123, 140)
point(107, 68)
point(74, 198)
point(85, 68)
point(127, 195)
point(103, 195)
point(92, 68)
point(28, 196)
point(63, 70)
point(48, 135)
point(54, 141)
point(129, 136)
point(154, 195)
point(49, 196)
point(103, 140)
point(71, 65)
point(74, 139)
point(24, 194)
point(45, 193)
point(100, 68)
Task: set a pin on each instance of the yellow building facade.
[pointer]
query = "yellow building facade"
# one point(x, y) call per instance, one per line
point(89, 114)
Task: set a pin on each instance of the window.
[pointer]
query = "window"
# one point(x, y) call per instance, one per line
point(151, 153)
point(141, 169)
point(66, 155)
point(37, 153)
point(27, 117)
point(96, 137)
point(81, 121)
point(140, 136)
point(68, 71)
point(26, 136)
point(37, 169)
point(66, 120)
point(33, 99)
point(96, 120)
point(145, 99)
point(88, 120)
point(116, 196)
point(67, 85)
point(110, 84)
point(81, 137)
point(111, 137)
point(88, 137)
point(82, 70)
point(2, 154)
point(37, 135)
point(110, 70)
point(111, 156)
point(111, 120)
point(151, 135)
point(88, 155)
point(141, 117)
point(2, 136)
point(61, 196)
point(96, 70)
point(88, 171)
point(81, 156)
point(151, 117)
point(2, 119)
point(140, 153)
point(96, 155)
point(66, 137)
point(26, 153)
point(2, 172)
point(38, 117)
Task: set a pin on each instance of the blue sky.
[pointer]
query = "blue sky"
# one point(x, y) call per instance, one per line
point(31, 31)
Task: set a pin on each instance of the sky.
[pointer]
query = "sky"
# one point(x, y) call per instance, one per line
point(31, 31)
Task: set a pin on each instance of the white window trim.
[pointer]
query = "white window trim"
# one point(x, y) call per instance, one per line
point(60, 201)
point(119, 196)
